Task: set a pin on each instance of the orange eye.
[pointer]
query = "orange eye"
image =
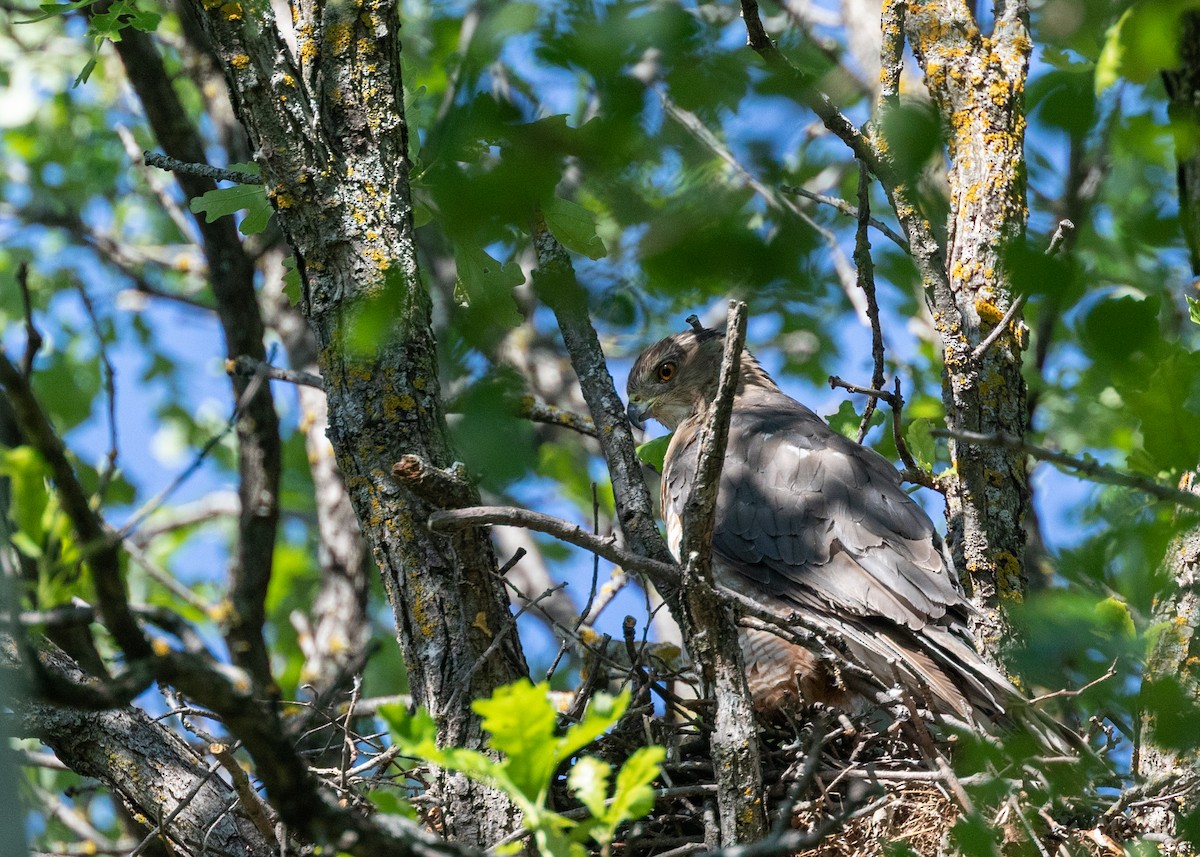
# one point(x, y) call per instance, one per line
point(666, 371)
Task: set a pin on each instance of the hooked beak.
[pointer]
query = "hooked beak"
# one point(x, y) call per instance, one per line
point(636, 411)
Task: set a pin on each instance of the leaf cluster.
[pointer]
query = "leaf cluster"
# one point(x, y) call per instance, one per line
point(522, 729)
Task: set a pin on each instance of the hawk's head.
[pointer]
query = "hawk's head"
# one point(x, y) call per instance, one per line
point(673, 378)
point(677, 376)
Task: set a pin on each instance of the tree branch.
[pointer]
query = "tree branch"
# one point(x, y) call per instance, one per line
point(248, 367)
point(1085, 467)
point(539, 412)
point(158, 775)
point(866, 282)
point(713, 638)
point(111, 595)
point(451, 520)
point(849, 210)
point(166, 162)
point(232, 281)
point(556, 285)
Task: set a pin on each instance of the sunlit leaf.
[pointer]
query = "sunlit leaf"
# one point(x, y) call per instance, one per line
point(654, 452)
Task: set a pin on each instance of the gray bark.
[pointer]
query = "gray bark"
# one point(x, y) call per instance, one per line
point(978, 85)
point(146, 766)
point(331, 139)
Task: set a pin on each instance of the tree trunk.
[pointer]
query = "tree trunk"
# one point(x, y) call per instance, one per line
point(978, 84)
point(330, 135)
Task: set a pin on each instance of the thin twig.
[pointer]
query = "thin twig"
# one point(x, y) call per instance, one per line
point(1000, 329)
point(913, 471)
point(248, 367)
point(866, 282)
point(164, 162)
point(849, 210)
point(149, 507)
point(695, 125)
point(33, 336)
point(1061, 233)
point(1086, 467)
point(110, 392)
point(1108, 673)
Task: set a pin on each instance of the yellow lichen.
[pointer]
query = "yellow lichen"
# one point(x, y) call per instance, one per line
point(1008, 576)
point(232, 11)
point(240, 61)
point(339, 36)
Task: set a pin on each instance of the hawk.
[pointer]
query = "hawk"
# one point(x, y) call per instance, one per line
point(810, 522)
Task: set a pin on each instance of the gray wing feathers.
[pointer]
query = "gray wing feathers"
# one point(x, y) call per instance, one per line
point(826, 517)
point(818, 523)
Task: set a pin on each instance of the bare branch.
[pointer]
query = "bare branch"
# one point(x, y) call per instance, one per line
point(166, 162)
point(866, 282)
point(556, 285)
point(1086, 467)
point(924, 247)
point(713, 640)
point(33, 336)
point(540, 412)
point(248, 367)
point(891, 56)
point(450, 520)
point(437, 487)
point(1108, 673)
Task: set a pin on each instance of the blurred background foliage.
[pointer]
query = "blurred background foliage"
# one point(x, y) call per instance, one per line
point(662, 153)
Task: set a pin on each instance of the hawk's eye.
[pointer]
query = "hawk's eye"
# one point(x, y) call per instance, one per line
point(666, 371)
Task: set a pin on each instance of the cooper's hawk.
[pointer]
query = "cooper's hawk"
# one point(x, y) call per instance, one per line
point(809, 522)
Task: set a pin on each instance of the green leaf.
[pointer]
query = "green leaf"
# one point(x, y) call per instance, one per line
point(484, 286)
point(1168, 405)
point(588, 780)
point(1193, 310)
point(633, 796)
point(602, 712)
point(1143, 42)
point(574, 226)
point(29, 497)
point(292, 287)
point(920, 443)
point(845, 420)
point(51, 10)
point(228, 200)
point(653, 452)
point(1114, 613)
point(416, 732)
point(521, 722)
